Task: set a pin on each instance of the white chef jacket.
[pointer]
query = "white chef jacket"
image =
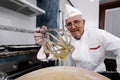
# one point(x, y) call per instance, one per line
point(90, 50)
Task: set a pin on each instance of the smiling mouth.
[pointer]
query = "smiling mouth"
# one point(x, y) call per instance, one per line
point(74, 31)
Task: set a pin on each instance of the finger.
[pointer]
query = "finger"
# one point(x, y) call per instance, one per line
point(39, 41)
point(44, 27)
point(37, 35)
point(37, 38)
point(37, 30)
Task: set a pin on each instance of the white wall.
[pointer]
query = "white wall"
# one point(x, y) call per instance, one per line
point(14, 19)
point(112, 21)
point(89, 8)
point(62, 7)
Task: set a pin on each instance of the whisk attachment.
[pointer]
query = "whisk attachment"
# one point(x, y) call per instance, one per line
point(58, 43)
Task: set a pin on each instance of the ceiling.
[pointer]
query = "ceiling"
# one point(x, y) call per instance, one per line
point(107, 1)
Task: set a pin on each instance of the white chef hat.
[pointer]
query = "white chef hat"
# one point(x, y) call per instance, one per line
point(71, 11)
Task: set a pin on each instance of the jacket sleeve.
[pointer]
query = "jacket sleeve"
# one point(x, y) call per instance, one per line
point(42, 56)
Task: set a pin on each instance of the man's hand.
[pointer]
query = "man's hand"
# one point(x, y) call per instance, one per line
point(38, 36)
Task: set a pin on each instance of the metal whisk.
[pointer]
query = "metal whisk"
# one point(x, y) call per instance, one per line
point(57, 42)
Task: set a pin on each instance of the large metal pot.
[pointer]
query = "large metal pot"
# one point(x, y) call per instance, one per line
point(62, 73)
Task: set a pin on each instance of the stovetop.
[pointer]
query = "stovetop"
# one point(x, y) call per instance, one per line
point(13, 50)
point(16, 60)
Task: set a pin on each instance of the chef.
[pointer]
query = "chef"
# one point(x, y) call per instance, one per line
point(90, 43)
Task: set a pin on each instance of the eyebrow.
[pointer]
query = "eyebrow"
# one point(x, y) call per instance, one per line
point(76, 20)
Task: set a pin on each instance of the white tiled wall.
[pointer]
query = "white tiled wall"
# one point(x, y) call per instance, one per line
point(14, 19)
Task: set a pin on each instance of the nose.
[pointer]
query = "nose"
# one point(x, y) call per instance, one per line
point(73, 26)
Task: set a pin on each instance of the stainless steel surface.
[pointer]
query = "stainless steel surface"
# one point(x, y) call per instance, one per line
point(22, 6)
point(17, 60)
point(58, 43)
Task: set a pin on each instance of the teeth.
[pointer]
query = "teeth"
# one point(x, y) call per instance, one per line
point(73, 30)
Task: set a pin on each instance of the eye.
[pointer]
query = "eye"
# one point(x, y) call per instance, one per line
point(69, 24)
point(76, 21)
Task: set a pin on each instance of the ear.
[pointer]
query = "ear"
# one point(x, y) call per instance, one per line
point(83, 22)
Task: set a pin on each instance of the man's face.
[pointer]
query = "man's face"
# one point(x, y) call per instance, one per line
point(76, 26)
